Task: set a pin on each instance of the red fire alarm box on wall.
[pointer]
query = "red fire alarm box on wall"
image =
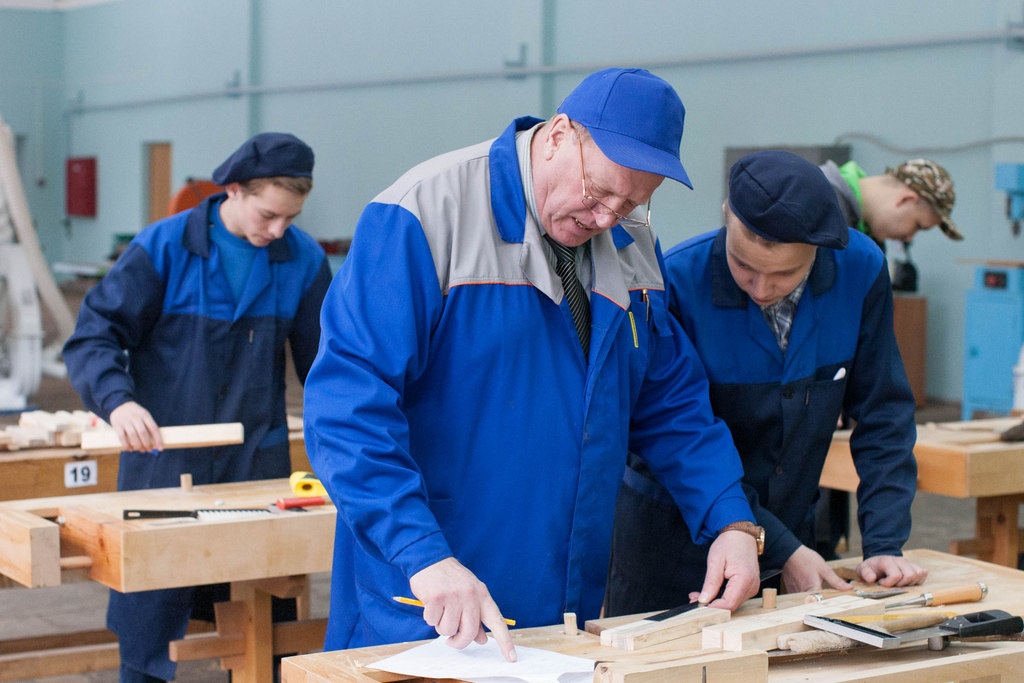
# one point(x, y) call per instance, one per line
point(81, 186)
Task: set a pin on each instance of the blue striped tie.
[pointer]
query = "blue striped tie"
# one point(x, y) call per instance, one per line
point(579, 304)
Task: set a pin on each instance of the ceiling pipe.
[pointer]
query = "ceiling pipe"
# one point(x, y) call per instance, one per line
point(1013, 36)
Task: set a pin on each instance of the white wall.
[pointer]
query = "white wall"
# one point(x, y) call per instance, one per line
point(377, 86)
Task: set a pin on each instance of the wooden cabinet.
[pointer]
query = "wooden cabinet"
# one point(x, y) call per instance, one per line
point(910, 320)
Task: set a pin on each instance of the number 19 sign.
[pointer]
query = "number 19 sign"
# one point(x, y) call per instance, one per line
point(81, 473)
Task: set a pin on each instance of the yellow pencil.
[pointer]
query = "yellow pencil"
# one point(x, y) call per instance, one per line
point(418, 603)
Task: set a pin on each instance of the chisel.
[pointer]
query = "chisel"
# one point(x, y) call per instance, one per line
point(973, 592)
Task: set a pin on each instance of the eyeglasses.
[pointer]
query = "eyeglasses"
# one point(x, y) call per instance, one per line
point(596, 205)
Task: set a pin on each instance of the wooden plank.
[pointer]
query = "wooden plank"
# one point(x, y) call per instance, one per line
point(721, 667)
point(19, 437)
point(306, 635)
point(184, 436)
point(29, 549)
point(761, 632)
point(961, 663)
point(95, 535)
point(644, 633)
point(52, 642)
point(59, 662)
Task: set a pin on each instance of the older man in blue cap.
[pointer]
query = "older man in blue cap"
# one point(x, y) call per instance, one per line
point(189, 327)
point(791, 313)
point(496, 342)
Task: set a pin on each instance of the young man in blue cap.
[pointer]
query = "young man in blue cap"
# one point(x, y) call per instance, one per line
point(477, 391)
point(189, 327)
point(791, 313)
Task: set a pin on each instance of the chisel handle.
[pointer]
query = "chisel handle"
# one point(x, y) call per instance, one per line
point(950, 596)
point(947, 596)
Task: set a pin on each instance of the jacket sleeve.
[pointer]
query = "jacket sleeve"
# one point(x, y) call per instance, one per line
point(880, 401)
point(376, 325)
point(779, 541)
point(688, 449)
point(114, 318)
point(305, 335)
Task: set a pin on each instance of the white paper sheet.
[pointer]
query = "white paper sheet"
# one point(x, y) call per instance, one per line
point(485, 664)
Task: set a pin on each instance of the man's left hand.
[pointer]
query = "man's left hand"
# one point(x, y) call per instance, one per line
point(806, 570)
point(891, 571)
point(732, 559)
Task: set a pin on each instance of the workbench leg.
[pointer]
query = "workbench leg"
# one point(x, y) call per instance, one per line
point(257, 664)
point(302, 606)
point(996, 518)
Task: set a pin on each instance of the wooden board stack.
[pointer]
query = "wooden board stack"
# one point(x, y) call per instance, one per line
point(42, 429)
point(762, 631)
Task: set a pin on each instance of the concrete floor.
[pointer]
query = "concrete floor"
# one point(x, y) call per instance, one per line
point(81, 606)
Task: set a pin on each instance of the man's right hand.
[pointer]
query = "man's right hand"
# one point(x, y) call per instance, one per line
point(136, 428)
point(458, 605)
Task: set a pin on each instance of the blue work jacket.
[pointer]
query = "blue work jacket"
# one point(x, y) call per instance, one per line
point(782, 407)
point(162, 328)
point(451, 411)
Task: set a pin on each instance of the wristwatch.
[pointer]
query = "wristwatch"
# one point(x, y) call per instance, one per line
point(748, 528)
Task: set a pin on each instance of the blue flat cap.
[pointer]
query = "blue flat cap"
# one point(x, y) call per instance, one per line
point(785, 198)
point(267, 155)
point(634, 117)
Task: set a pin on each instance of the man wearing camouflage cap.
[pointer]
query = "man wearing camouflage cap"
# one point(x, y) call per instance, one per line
point(915, 195)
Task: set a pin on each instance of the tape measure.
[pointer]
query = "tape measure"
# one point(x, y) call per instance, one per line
point(306, 484)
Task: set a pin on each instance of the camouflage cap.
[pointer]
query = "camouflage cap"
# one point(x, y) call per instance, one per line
point(932, 182)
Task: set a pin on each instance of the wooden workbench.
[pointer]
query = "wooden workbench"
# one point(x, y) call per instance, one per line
point(260, 556)
point(988, 662)
point(960, 460)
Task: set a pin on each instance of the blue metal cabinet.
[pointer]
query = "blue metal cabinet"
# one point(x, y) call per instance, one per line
point(994, 332)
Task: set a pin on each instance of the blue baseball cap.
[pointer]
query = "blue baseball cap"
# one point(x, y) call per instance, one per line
point(784, 198)
point(267, 155)
point(635, 118)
